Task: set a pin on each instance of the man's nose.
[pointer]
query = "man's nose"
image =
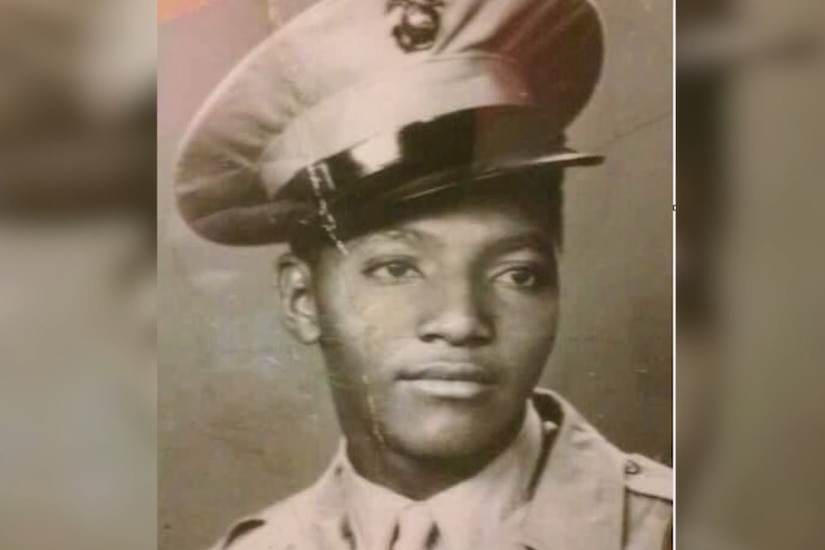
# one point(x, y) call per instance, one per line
point(456, 312)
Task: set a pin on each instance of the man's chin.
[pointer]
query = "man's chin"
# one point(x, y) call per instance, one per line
point(446, 439)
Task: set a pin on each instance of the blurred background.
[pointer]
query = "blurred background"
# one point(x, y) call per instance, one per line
point(750, 437)
point(77, 274)
point(245, 416)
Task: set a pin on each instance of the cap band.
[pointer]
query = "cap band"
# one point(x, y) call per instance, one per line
point(416, 91)
point(481, 142)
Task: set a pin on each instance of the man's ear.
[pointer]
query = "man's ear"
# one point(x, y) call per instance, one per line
point(298, 298)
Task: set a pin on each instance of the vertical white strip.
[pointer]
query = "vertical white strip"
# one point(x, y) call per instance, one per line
point(673, 277)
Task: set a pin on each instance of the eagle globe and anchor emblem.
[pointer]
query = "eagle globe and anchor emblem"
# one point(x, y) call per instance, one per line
point(419, 24)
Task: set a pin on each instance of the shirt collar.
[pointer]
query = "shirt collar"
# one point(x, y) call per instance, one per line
point(578, 499)
point(461, 512)
point(372, 508)
point(473, 510)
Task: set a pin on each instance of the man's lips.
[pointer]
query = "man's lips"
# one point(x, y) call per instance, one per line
point(450, 372)
point(449, 380)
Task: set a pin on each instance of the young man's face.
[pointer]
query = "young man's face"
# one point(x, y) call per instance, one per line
point(436, 329)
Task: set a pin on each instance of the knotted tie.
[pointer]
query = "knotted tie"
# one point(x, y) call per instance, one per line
point(416, 529)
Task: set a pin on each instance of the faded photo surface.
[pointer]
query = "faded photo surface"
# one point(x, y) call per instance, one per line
point(416, 260)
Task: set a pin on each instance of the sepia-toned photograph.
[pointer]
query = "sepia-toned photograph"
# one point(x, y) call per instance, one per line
point(417, 260)
point(412, 275)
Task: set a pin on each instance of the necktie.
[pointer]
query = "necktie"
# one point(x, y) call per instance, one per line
point(416, 529)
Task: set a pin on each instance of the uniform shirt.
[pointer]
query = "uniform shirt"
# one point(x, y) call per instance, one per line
point(466, 515)
point(585, 494)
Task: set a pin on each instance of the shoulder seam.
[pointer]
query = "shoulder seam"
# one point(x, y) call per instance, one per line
point(648, 477)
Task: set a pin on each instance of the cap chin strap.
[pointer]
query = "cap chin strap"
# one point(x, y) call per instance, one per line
point(320, 179)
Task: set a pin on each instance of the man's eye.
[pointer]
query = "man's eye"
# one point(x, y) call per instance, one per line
point(521, 277)
point(394, 271)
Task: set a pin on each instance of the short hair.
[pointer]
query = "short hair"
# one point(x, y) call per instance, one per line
point(539, 192)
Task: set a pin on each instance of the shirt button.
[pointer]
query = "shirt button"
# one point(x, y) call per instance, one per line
point(632, 468)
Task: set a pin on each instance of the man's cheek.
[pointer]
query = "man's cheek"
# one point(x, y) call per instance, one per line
point(531, 322)
point(383, 314)
point(361, 296)
point(531, 341)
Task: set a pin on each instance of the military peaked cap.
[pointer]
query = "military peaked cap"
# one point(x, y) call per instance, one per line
point(365, 97)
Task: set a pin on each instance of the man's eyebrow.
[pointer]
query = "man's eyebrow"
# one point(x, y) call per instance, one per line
point(537, 240)
point(396, 234)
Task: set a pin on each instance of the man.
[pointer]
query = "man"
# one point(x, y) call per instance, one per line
point(411, 153)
